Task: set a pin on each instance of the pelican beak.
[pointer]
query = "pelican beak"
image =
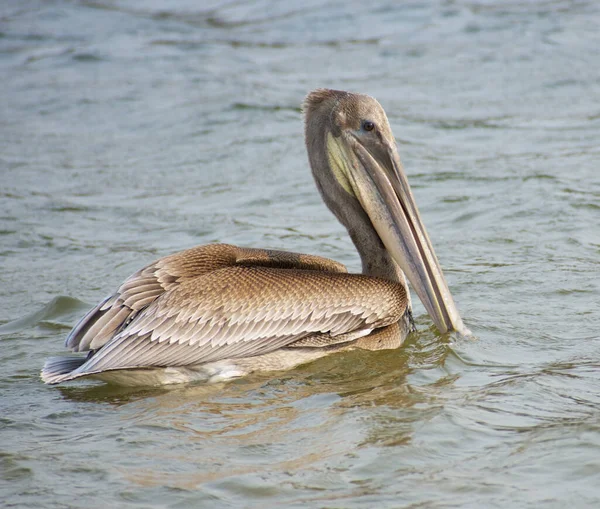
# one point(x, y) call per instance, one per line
point(376, 176)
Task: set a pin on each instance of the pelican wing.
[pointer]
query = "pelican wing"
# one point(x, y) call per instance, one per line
point(141, 289)
point(244, 311)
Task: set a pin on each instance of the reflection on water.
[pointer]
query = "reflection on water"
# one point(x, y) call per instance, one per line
point(249, 423)
point(133, 130)
point(218, 431)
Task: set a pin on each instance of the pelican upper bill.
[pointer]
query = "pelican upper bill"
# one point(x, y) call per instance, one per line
point(219, 311)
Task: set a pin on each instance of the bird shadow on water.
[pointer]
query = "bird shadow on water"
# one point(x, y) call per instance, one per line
point(116, 395)
point(295, 421)
point(370, 390)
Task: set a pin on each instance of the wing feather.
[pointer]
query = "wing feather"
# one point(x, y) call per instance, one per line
point(245, 311)
point(220, 301)
point(144, 287)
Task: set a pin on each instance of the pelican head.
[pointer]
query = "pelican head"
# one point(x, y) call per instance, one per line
point(356, 166)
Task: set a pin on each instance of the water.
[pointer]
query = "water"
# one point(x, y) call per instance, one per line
point(133, 129)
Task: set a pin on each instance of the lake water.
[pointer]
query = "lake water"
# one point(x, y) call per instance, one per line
point(133, 129)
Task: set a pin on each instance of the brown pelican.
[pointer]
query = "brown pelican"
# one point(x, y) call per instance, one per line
point(219, 311)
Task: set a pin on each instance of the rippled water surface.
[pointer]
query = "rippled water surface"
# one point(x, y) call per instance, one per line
point(133, 129)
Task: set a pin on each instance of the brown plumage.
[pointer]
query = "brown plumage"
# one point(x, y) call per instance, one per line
point(217, 311)
point(168, 274)
point(220, 301)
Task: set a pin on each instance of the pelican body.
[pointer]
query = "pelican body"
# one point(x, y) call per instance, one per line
point(219, 311)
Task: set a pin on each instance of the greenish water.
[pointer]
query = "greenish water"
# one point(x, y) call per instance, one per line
point(130, 130)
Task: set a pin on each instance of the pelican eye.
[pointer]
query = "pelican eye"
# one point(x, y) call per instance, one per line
point(368, 125)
